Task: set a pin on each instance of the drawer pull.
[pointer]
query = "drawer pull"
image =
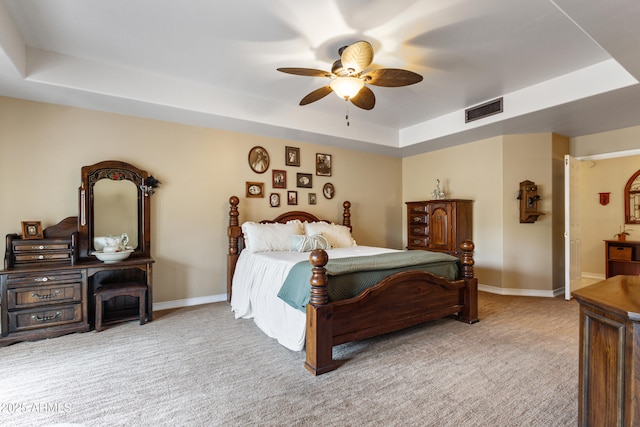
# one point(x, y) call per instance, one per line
point(46, 318)
point(44, 279)
point(417, 219)
point(47, 296)
point(417, 242)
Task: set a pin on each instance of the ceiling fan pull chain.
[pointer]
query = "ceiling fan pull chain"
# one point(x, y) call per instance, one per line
point(347, 114)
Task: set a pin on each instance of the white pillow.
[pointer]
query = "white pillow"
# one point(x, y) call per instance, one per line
point(302, 243)
point(339, 236)
point(270, 237)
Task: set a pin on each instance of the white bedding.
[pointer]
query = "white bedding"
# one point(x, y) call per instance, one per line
point(257, 281)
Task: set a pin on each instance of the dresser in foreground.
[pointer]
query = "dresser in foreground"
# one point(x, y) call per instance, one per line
point(609, 383)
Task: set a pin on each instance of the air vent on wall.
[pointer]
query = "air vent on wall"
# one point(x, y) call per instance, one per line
point(484, 110)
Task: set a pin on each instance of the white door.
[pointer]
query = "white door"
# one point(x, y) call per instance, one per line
point(572, 268)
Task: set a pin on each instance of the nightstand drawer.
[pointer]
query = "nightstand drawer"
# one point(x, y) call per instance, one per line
point(43, 295)
point(40, 318)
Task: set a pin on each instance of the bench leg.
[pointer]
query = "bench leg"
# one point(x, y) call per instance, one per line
point(98, 313)
point(142, 307)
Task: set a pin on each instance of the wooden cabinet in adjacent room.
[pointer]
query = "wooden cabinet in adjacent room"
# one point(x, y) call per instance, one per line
point(439, 225)
point(622, 257)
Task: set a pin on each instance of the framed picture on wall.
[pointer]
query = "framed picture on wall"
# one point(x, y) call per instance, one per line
point(292, 156)
point(279, 178)
point(323, 164)
point(312, 198)
point(292, 197)
point(258, 160)
point(328, 191)
point(31, 230)
point(274, 200)
point(304, 180)
point(255, 189)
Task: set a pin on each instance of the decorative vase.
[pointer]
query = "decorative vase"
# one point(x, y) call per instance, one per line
point(622, 237)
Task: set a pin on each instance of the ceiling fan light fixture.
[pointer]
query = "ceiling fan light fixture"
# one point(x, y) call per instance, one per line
point(346, 87)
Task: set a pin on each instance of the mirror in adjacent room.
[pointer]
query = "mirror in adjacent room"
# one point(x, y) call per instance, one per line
point(632, 200)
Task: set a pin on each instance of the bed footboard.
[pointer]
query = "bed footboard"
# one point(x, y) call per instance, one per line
point(399, 301)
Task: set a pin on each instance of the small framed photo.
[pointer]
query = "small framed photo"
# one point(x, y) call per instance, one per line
point(274, 200)
point(258, 160)
point(304, 180)
point(279, 179)
point(328, 191)
point(255, 189)
point(292, 197)
point(31, 230)
point(323, 164)
point(292, 156)
point(312, 198)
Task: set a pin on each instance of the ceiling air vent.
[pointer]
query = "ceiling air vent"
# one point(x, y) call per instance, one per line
point(484, 110)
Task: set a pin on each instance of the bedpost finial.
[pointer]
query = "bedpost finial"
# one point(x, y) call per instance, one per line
point(319, 280)
point(346, 204)
point(234, 201)
point(467, 261)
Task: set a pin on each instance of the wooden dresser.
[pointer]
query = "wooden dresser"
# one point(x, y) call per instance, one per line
point(439, 225)
point(609, 383)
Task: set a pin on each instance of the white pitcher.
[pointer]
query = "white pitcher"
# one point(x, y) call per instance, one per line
point(115, 243)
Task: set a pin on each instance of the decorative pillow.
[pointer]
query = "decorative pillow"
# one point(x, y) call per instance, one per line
point(270, 237)
point(302, 243)
point(338, 236)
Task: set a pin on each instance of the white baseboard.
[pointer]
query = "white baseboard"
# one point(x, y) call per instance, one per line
point(166, 305)
point(594, 276)
point(521, 292)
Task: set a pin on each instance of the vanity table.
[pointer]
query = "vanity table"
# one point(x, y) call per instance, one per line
point(47, 285)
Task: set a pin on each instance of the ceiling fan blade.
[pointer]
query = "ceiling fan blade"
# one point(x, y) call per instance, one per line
point(306, 72)
point(391, 77)
point(357, 56)
point(316, 95)
point(365, 99)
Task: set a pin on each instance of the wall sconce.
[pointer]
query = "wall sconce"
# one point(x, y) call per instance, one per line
point(529, 197)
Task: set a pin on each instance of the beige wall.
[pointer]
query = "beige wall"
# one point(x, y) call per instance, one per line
point(600, 222)
point(601, 174)
point(43, 147)
point(510, 257)
point(469, 171)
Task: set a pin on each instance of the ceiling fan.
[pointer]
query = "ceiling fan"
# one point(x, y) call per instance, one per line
point(348, 78)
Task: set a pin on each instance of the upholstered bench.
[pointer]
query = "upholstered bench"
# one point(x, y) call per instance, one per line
point(108, 291)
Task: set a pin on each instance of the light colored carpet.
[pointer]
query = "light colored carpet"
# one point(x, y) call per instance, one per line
point(199, 366)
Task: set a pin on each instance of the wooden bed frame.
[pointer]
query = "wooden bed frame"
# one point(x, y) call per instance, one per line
point(399, 301)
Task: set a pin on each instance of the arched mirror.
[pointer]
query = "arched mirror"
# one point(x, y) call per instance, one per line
point(112, 202)
point(115, 210)
point(632, 200)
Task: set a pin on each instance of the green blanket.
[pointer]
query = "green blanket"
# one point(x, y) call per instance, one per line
point(350, 276)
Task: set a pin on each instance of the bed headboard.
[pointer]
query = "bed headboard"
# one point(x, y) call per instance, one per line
point(234, 231)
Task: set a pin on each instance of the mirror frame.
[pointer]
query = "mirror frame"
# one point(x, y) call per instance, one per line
point(115, 170)
point(630, 189)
